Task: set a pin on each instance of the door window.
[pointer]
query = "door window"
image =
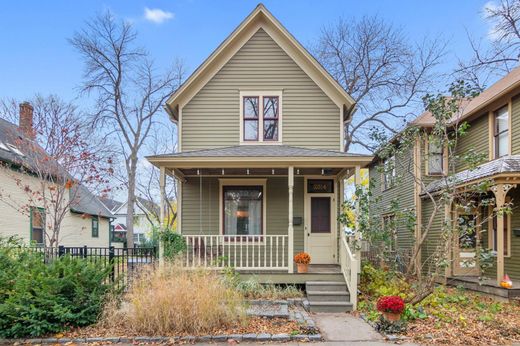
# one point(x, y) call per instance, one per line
point(320, 215)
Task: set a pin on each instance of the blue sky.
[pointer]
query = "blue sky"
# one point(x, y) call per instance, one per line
point(36, 57)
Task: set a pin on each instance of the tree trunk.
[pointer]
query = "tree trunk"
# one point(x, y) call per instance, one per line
point(130, 206)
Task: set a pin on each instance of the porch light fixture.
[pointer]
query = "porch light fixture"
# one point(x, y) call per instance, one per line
point(198, 172)
point(272, 171)
point(247, 171)
point(297, 171)
point(222, 171)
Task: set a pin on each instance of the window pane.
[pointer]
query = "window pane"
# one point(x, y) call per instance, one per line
point(37, 218)
point(503, 144)
point(251, 107)
point(243, 210)
point(271, 130)
point(502, 120)
point(37, 235)
point(270, 107)
point(250, 130)
point(320, 215)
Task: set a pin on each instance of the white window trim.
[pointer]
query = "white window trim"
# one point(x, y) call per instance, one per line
point(242, 182)
point(261, 94)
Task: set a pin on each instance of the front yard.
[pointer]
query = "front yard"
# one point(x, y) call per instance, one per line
point(448, 316)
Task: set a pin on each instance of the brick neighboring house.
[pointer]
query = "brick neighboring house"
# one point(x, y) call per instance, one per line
point(86, 223)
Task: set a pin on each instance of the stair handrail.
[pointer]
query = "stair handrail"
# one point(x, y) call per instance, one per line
point(350, 270)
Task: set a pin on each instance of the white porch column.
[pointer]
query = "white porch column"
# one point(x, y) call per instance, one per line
point(162, 187)
point(290, 230)
point(500, 191)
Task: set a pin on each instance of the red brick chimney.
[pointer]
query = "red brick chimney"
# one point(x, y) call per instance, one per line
point(26, 119)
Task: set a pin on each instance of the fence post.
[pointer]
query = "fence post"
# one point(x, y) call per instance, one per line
point(85, 251)
point(111, 256)
point(61, 250)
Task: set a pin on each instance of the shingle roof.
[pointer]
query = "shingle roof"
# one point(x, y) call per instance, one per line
point(110, 203)
point(83, 200)
point(261, 151)
point(505, 164)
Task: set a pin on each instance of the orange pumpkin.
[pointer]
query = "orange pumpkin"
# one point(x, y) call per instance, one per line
point(506, 282)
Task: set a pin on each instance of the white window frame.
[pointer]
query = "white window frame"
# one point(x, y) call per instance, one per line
point(242, 182)
point(261, 95)
point(389, 183)
point(497, 134)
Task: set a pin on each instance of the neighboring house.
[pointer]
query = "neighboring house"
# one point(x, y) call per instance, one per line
point(261, 158)
point(87, 222)
point(145, 217)
point(494, 119)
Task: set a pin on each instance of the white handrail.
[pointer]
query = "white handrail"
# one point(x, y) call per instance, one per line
point(350, 270)
point(252, 252)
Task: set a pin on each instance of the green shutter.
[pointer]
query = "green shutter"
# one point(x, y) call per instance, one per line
point(95, 227)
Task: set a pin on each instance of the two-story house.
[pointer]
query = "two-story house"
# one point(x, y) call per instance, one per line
point(494, 121)
point(261, 160)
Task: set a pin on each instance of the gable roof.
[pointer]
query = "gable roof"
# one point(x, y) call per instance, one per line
point(505, 85)
point(260, 18)
point(84, 201)
point(110, 203)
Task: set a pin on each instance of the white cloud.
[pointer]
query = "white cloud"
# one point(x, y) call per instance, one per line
point(156, 15)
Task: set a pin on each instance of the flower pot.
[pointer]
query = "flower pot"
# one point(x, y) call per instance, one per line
point(302, 268)
point(392, 316)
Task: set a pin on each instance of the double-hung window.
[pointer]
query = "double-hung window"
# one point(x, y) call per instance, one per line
point(261, 116)
point(389, 174)
point(95, 227)
point(501, 134)
point(243, 210)
point(38, 225)
point(435, 158)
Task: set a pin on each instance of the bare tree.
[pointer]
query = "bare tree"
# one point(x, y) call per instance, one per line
point(503, 52)
point(130, 91)
point(384, 73)
point(55, 164)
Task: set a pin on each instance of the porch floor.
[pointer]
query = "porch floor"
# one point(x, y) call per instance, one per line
point(486, 285)
point(316, 272)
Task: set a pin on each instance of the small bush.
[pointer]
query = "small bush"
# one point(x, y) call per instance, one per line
point(38, 298)
point(174, 244)
point(173, 300)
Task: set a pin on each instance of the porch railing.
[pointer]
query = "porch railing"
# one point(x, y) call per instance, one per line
point(252, 252)
point(350, 269)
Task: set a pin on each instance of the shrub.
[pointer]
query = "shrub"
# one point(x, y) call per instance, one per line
point(393, 304)
point(174, 244)
point(38, 298)
point(173, 300)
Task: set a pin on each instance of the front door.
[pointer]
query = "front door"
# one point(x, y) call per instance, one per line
point(467, 229)
point(320, 227)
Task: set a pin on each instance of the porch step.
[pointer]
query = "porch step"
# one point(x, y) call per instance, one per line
point(330, 306)
point(328, 296)
point(321, 286)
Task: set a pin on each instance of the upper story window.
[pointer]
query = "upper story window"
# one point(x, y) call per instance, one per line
point(389, 174)
point(260, 117)
point(435, 158)
point(501, 135)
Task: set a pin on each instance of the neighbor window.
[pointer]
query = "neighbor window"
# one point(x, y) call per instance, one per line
point(493, 235)
point(390, 230)
point(501, 132)
point(260, 118)
point(95, 227)
point(435, 158)
point(243, 210)
point(37, 225)
point(389, 172)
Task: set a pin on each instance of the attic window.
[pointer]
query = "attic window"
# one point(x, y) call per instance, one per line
point(260, 117)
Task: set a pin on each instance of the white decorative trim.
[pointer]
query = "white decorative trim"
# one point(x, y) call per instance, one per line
point(261, 94)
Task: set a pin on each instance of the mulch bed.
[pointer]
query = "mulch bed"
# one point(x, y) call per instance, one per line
point(254, 325)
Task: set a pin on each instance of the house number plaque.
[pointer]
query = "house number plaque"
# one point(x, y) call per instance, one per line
point(320, 186)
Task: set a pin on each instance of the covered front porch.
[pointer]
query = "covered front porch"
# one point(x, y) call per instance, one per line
point(253, 207)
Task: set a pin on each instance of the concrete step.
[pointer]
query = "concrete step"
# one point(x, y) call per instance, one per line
point(328, 296)
point(328, 286)
point(330, 306)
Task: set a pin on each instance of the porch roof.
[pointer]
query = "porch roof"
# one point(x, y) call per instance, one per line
point(260, 156)
point(503, 166)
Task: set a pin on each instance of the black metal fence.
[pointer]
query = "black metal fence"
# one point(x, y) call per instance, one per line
point(124, 263)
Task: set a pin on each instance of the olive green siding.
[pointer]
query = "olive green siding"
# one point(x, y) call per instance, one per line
point(211, 118)
point(515, 125)
point(200, 211)
point(432, 241)
point(403, 192)
point(476, 138)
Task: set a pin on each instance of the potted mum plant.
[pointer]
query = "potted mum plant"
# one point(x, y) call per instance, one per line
point(391, 307)
point(302, 261)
